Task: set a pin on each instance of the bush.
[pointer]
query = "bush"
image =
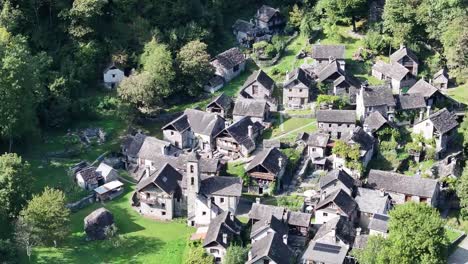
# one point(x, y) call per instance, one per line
point(375, 41)
point(292, 202)
point(260, 45)
point(430, 153)
point(197, 254)
point(270, 51)
point(388, 145)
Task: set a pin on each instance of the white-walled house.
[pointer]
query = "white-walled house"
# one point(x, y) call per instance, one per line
point(113, 76)
point(335, 204)
point(107, 173)
point(88, 179)
point(229, 64)
point(377, 98)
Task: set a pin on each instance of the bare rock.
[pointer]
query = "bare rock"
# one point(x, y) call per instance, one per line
point(96, 222)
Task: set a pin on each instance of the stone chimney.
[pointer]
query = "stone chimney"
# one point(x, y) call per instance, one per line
point(367, 129)
point(231, 216)
point(285, 239)
point(257, 200)
point(225, 236)
point(147, 171)
point(280, 162)
point(402, 45)
point(249, 255)
point(382, 192)
point(421, 115)
point(428, 111)
point(250, 131)
point(358, 231)
point(333, 232)
point(323, 194)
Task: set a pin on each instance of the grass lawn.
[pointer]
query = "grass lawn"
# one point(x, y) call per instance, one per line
point(459, 93)
point(299, 111)
point(235, 168)
point(144, 240)
point(455, 220)
point(451, 234)
point(290, 124)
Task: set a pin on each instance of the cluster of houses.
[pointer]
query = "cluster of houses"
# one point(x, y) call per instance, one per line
point(181, 175)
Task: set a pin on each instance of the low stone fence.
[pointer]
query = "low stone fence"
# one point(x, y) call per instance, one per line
point(287, 115)
point(81, 203)
point(274, 60)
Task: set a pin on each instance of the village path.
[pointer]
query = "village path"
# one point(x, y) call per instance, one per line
point(281, 121)
point(294, 130)
point(460, 256)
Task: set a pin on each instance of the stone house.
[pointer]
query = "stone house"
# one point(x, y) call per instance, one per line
point(266, 171)
point(410, 106)
point(259, 86)
point(229, 64)
point(323, 53)
point(336, 122)
point(107, 173)
point(159, 194)
point(371, 202)
point(299, 226)
point(296, 89)
point(406, 58)
point(441, 79)
point(378, 225)
point(113, 76)
point(337, 203)
point(88, 179)
point(272, 248)
point(194, 128)
point(431, 94)
point(336, 180)
point(240, 138)
point(329, 73)
point(377, 98)
point(346, 86)
point(402, 188)
point(318, 149)
point(222, 232)
point(214, 84)
point(245, 32)
point(374, 122)
point(258, 110)
point(440, 126)
point(131, 145)
point(269, 19)
point(221, 105)
point(399, 76)
point(331, 243)
point(260, 211)
point(150, 147)
point(269, 224)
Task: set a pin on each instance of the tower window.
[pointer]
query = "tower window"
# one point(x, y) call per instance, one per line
point(192, 181)
point(191, 169)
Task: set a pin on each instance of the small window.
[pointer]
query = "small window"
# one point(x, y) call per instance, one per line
point(300, 90)
point(192, 181)
point(172, 133)
point(214, 251)
point(163, 205)
point(290, 90)
point(325, 214)
point(203, 213)
point(221, 200)
point(427, 124)
point(313, 149)
point(191, 169)
point(254, 89)
point(178, 200)
point(113, 75)
point(163, 213)
point(329, 125)
point(236, 68)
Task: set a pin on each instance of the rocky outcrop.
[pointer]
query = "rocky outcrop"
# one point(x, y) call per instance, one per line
point(96, 223)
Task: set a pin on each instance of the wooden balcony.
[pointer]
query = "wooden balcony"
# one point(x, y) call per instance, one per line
point(262, 176)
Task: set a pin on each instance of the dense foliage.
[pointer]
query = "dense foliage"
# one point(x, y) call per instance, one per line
point(236, 254)
point(197, 254)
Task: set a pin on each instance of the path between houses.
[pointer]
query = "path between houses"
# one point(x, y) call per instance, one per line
point(281, 121)
point(294, 130)
point(460, 256)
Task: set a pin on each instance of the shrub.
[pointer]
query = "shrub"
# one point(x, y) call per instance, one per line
point(375, 41)
point(388, 145)
point(260, 45)
point(270, 51)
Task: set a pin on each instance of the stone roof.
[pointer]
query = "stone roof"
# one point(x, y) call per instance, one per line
point(229, 58)
point(271, 246)
point(104, 169)
point(327, 51)
point(215, 81)
point(243, 26)
point(299, 219)
point(222, 185)
point(336, 116)
point(239, 131)
point(249, 107)
point(402, 52)
point(299, 79)
point(375, 120)
point(328, 70)
point(222, 224)
point(132, 144)
point(318, 139)
point(379, 222)
point(269, 159)
point(410, 101)
point(337, 175)
point(222, 100)
point(166, 179)
point(371, 201)
point(261, 77)
point(179, 124)
point(343, 228)
point(204, 123)
point(265, 13)
point(400, 183)
point(377, 96)
point(393, 70)
point(271, 143)
point(330, 253)
point(341, 199)
point(359, 136)
point(443, 120)
point(423, 88)
point(261, 211)
point(441, 72)
point(270, 221)
point(152, 146)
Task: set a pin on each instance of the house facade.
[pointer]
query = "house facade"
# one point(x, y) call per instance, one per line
point(318, 149)
point(239, 139)
point(258, 86)
point(269, 19)
point(296, 89)
point(323, 53)
point(377, 98)
point(406, 58)
point(266, 171)
point(221, 105)
point(398, 76)
point(229, 64)
point(256, 109)
point(113, 76)
point(336, 122)
point(441, 79)
point(336, 204)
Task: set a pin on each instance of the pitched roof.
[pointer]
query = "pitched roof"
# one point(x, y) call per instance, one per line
point(298, 78)
point(371, 201)
point(341, 199)
point(410, 101)
point(204, 123)
point(261, 77)
point(179, 124)
point(166, 179)
point(359, 136)
point(336, 116)
point(423, 88)
point(265, 13)
point(104, 169)
point(299, 219)
point(269, 221)
point(271, 246)
point(376, 96)
point(399, 183)
point(328, 70)
point(327, 51)
point(443, 120)
point(337, 175)
point(222, 185)
point(260, 211)
point(393, 70)
point(222, 101)
point(132, 144)
point(152, 146)
point(402, 52)
point(343, 228)
point(222, 224)
point(330, 253)
point(89, 175)
point(441, 72)
point(375, 120)
point(269, 159)
point(379, 222)
point(249, 107)
point(243, 26)
point(229, 58)
point(318, 139)
point(239, 131)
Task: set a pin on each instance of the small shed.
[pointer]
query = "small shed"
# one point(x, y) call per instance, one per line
point(113, 76)
point(109, 190)
point(107, 172)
